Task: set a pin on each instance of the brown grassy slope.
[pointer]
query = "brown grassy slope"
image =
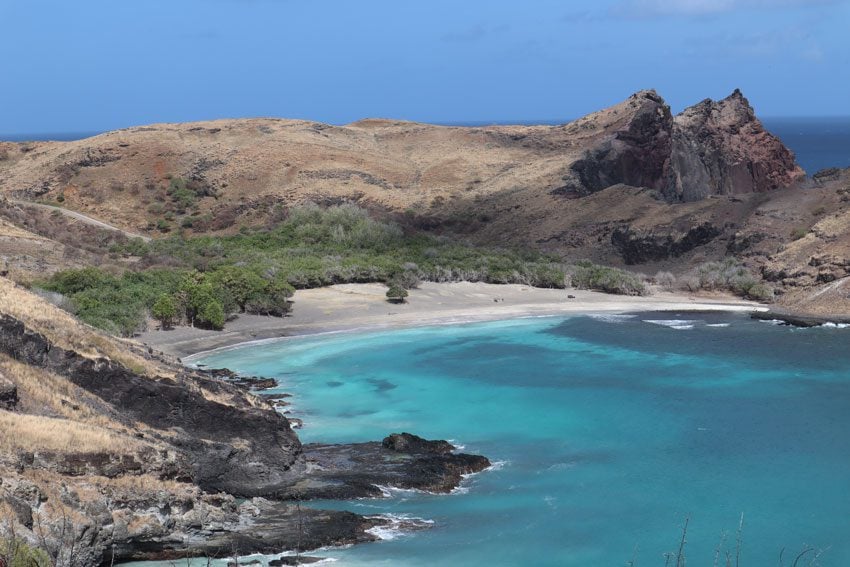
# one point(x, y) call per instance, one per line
point(254, 164)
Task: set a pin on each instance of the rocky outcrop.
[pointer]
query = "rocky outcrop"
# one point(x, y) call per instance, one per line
point(712, 148)
point(181, 450)
point(8, 394)
point(721, 148)
point(637, 247)
point(636, 154)
point(358, 470)
point(256, 526)
point(245, 450)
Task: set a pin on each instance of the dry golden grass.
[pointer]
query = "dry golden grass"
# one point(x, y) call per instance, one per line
point(34, 432)
point(42, 392)
point(65, 331)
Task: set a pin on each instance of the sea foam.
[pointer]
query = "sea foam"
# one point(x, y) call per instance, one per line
point(677, 324)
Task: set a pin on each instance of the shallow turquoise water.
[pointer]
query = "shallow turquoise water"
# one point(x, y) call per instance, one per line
point(611, 431)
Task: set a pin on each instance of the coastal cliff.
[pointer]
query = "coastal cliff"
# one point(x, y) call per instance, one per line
point(111, 452)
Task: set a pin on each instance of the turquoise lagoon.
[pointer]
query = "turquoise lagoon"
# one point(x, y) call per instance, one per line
point(608, 432)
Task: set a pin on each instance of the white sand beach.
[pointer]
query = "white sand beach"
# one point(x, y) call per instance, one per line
point(347, 307)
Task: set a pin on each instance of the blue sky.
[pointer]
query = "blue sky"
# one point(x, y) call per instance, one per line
point(95, 65)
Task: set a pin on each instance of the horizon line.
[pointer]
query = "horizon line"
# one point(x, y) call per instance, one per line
point(71, 135)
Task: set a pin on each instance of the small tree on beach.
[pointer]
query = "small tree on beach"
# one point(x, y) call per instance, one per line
point(396, 294)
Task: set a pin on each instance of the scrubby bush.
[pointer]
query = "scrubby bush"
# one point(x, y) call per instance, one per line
point(15, 552)
point(729, 275)
point(665, 279)
point(396, 294)
point(587, 275)
point(211, 315)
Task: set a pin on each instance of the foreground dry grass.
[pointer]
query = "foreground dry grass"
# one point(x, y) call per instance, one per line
point(36, 432)
point(44, 393)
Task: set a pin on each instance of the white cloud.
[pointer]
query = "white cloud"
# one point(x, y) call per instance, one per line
point(701, 8)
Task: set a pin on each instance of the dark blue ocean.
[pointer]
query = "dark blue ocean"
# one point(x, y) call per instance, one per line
point(818, 143)
point(608, 433)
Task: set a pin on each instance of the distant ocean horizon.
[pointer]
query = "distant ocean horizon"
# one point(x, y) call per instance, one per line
point(817, 142)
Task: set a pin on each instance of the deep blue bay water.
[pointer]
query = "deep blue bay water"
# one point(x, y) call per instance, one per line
point(608, 432)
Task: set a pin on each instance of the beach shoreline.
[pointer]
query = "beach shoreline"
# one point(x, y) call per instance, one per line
point(363, 307)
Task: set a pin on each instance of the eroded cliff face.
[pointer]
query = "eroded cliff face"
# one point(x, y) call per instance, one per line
point(637, 153)
point(721, 148)
point(238, 448)
point(711, 148)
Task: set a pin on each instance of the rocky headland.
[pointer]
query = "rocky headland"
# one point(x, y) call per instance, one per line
point(112, 452)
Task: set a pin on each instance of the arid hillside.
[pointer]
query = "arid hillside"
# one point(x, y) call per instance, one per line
point(224, 174)
point(104, 444)
point(630, 186)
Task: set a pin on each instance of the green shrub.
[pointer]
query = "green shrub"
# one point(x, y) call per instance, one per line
point(587, 275)
point(396, 294)
point(760, 292)
point(211, 314)
point(165, 310)
point(72, 281)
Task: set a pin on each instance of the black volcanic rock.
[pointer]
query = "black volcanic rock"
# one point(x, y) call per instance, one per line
point(245, 451)
point(358, 470)
point(409, 443)
point(8, 394)
point(636, 155)
point(711, 148)
point(637, 247)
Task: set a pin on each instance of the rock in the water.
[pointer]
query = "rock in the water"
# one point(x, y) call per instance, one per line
point(293, 560)
point(401, 461)
point(409, 443)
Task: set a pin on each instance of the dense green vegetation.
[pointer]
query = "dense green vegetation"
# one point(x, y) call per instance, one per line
point(316, 247)
point(120, 304)
point(203, 280)
point(587, 275)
